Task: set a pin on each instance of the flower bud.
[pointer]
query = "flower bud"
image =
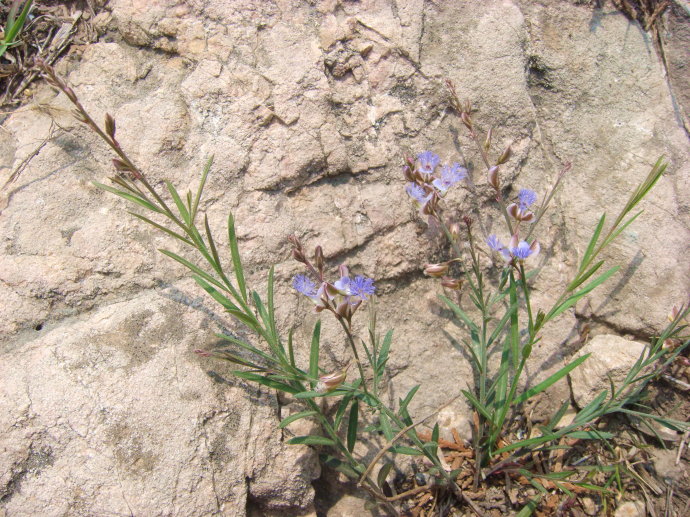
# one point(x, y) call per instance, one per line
point(466, 120)
point(331, 381)
point(409, 175)
point(299, 256)
point(454, 230)
point(318, 259)
point(505, 156)
point(492, 177)
point(487, 141)
point(436, 270)
point(675, 310)
point(109, 125)
point(451, 283)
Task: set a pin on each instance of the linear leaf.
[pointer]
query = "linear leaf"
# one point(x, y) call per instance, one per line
point(314, 353)
point(195, 269)
point(385, 349)
point(342, 407)
point(593, 240)
point(311, 440)
point(552, 379)
point(408, 398)
point(460, 313)
point(162, 228)
point(178, 202)
point(292, 418)
point(266, 381)
point(129, 197)
point(383, 474)
point(386, 426)
point(402, 449)
point(352, 425)
point(202, 183)
point(573, 299)
point(339, 465)
point(236, 261)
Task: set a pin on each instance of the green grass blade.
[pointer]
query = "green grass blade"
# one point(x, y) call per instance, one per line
point(202, 184)
point(236, 261)
point(314, 353)
point(129, 197)
point(193, 268)
point(573, 299)
point(162, 228)
point(593, 241)
point(15, 26)
point(385, 350)
point(311, 440)
point(297, 416)
point(460, 313)
point(178, 202)
point(352, 426)
point(551, 380)
point(266, 381)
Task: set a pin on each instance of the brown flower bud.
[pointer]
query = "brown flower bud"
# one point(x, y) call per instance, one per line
point(318, 258)
point(466, 120)
point(121, 166)
point(109, 125)
point(451, 283)
point(409, 175)
point(492, 177)
point(487, 141)
point(505, 156)
point(436, 270)
point(299, 256)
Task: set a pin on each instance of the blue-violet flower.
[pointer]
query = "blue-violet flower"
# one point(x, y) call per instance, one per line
point(450, 175)
point(428, 161)
point(304, 285)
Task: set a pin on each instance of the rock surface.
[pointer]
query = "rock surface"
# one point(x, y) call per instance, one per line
point(308, 109)
point(611, 358)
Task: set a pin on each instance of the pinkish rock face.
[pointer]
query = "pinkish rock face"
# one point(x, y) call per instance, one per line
point(308, 110)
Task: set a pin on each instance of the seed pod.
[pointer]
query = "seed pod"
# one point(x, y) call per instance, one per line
point(121, 166)
point(331, 381)
point(451, 283)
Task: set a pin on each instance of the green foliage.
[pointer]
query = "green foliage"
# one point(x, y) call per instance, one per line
point(14, 25)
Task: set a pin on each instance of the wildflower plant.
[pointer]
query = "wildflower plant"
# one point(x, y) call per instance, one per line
point(356, 393)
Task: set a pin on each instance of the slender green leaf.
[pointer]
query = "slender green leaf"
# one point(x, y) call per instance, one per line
point(193, 268)
point(246, 346)
point(501, 325)
point(352, 426)
point(551, 380)
point(408, 398)
point(339, 465)
point(530, 507)
point(162, 228)
point(478, 405)
point(573, 299)
point(311, 440)
point(620, 229)
point(383, 474)
point(236, 261)
point(178, 202)
point(314, 353)
point(342, 407)
point(590, 435)
point(460, 314)
point(216, 295)
point(266, 381)
point(402, 449)
point(15, 26)
point(130, 197)
point(291, 351)
point(385, 426)
point(588, 412)
point(202, 183)
point(593, 241)
point(385, 349)
point(292, 418)
point(271, 306)
point(582, 278)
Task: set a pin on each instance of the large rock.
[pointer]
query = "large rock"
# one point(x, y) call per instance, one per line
point(308, 109)
point(611, 359)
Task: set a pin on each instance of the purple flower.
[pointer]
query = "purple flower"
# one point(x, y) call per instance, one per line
point(304, 285)
point(428, 161)
point(417, 193)
point(494, 243)
point(521, 251)
point(450, 175)
point(362, 287)
point(526, 197)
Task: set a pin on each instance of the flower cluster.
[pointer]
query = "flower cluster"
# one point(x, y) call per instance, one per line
point(429, 180)
point(519, 211)
point(342, 297)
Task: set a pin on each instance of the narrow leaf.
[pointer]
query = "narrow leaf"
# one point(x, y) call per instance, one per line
point(314, 353)
point(352, 426)
point(551, 380)
point(460, 314)
point(311, 440)
point(266, 381)
point(236, 261)
point(292, 418)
